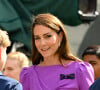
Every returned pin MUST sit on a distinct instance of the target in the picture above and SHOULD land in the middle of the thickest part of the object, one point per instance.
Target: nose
(43, 41)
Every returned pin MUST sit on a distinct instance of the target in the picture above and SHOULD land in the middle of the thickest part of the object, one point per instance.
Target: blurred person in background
(92, 55)
(14, 64)
(6, 83)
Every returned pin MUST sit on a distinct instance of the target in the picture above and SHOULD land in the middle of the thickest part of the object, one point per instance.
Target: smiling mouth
(44, 49)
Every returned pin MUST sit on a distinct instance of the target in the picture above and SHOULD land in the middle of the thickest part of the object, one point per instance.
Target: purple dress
(74, 76)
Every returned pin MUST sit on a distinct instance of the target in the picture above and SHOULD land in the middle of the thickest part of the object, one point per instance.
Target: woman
(54, 66)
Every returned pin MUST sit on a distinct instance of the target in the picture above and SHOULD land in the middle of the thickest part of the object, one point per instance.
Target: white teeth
(44, 49)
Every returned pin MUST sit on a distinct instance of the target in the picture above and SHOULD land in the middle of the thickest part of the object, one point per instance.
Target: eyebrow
(44, 34)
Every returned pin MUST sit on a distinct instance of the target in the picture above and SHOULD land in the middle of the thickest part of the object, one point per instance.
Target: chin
(45, 56)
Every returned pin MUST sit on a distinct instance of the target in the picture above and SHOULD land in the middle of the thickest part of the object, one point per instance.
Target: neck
(52, 60)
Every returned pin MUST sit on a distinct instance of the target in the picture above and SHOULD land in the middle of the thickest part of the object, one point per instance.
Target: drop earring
(59, 44)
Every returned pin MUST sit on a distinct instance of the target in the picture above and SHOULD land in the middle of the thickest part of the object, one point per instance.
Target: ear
(60, 36)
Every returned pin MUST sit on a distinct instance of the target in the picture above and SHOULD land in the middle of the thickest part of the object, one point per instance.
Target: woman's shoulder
(84, 73)
(76, 64)
(27, 71)
(80, 65)
(83, 65)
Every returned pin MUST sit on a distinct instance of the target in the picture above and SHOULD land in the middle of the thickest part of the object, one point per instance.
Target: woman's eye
(48, 36)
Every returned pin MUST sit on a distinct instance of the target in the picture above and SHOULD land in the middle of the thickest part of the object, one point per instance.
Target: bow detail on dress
(68, 76)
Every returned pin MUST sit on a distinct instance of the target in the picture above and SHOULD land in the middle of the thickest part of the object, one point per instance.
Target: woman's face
(46, 40)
